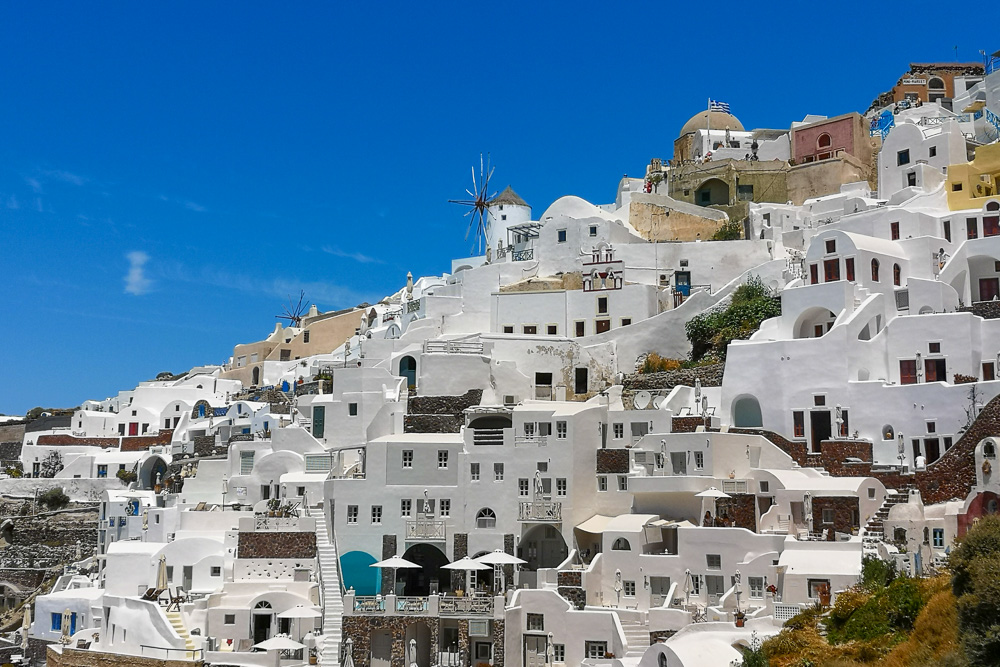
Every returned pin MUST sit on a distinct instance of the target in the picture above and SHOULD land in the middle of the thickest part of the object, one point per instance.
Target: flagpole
(709, 115)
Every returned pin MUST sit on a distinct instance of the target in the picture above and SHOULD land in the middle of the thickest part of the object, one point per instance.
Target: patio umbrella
(714, 494)
(395, 563)
(25, 626)
(467, 564)
(299, 612)
(498, 559)
(687, 587)
(348, 653)
(279, 644)
(161, 574)
(66, 619)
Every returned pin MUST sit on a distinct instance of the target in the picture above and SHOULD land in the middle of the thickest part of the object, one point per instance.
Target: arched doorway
(418, 581)
(356, 573)
(263, 617)
(152, 472)
(746, 413)
(542, 546)
(712, 192)
(408, 370)
(418, 641)
(255, 374)
(484, 578)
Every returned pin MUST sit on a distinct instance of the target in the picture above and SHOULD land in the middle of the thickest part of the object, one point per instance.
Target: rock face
(439, 414)
(710, 375)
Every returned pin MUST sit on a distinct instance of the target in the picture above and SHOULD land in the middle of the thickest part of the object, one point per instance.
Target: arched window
(823, 141)
(989, 451)
(888, 433)
(661, 660)
(621, 544)
(896, 275)
(875, 270)
(263, 604)
(993, 206)
(486, 518)
(935, 89)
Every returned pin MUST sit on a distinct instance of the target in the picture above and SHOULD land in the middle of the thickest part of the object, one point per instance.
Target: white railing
(540, 510)
(369, 604)
(425, 529)
(264, 522)
(411, 605)
(784, 612)
(472, 606)
(453, 347)
(734, 486)
(449, 659)
(531, 441)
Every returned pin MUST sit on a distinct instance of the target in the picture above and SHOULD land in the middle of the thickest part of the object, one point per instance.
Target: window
(831, 270)
(580, 328)
(831, 246)
(57, 622)
(619, 431)
(407, 458)
(405, 507)
(216, 571)
(497, 472)
(972, 228)
(596, 650)
(714, 561)
(602, 483)
(819, 400)
(989, 371)
(815, 585)
(849, 268)
(305, 336)
(561, 236)
(956, 187)
(442, 458)
(946, 228)
(829, 515)
(897, 275)
(894, 231)
(508, 328)
(902, 157)
(229, 619)
(932, 151)
(871, 493)
(602, 305)
(536, 623)
(622, 482)
(352, 514)
(756, 587)
(552, 330)
(581, 380)
(744, 192)
(522, 487)
(991, 225)
(561, 486)
(626, 321)
(376, 514)
(530, 329)
(628, 588)
(798, 424)
(907, 371)
(486, 518)
(875, 270)
(911, 179)
(593, 230)
(813, 274)
(352, 409)
(939, 538)
(285, 355)
(932, 427)
(559, 650)
(446, 507)
(621, 544)
(561, 430)
(934, 348)
(765, 486)
(699, 460)
(102, 471)
(474, 471)
(246, 462)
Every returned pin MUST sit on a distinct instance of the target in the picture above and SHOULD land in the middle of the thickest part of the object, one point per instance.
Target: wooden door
(534, 650)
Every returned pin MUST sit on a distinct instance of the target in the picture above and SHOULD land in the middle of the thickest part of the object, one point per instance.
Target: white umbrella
(467, 564)
(498, 559)
(395, 563)
(66, 619)
(687, 587)
(161, 574)
(279, 644)
(714, 494)
(348, 652)
(299, 612)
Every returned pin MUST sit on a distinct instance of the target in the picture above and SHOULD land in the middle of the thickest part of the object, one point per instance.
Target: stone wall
(204, 445)
(686, 424)
(988, 310)
(570, 578)
(444, 405)
(10, 452)
(49, 540)
(432, 423)
(388, 551)
(460, 549)
(85, 658)
(741, 510)
(611, 461)
(845, 509)
(26, 579)
(277, 544)
(498, 642)
(710, 376)
(575, 595)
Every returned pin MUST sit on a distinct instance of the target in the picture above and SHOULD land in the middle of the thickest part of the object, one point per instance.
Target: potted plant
(740, 617)
(772, 590)
(273, 505)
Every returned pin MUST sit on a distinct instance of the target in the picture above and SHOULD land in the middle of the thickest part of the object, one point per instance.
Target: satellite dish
(642, 400)
(657, 402)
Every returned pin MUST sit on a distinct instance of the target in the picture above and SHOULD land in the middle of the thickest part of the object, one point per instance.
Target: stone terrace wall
(277, 544)
(439, 414)
(612, 461)
(83, 658)
(845, 509)
(741, 508)
(710, 375)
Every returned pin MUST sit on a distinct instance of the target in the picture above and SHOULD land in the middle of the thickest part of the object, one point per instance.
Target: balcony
(453, 347)
(531, 440)
(426, 529)
(540, 510)
(523, 255)
(477, 606)
(487, 436)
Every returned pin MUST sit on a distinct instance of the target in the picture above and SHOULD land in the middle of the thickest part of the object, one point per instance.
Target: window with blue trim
(57, 622)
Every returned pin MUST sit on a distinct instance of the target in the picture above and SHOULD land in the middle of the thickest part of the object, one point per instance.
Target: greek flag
(716, 105)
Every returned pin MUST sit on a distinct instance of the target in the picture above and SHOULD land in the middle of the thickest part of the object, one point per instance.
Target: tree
(975, 581)
(731, 230)
(54, 499)
(50, 465)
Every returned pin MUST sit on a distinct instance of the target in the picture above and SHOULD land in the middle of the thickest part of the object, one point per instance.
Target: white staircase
(637, 638)
(177, 623)
(333, 600)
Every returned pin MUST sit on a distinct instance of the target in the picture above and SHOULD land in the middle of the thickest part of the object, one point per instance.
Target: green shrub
(54, 499)
(711, 332)
(730, 230)
(876, 573)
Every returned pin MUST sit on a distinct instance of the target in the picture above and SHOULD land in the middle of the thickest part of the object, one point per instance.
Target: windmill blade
(471, 194)
(474, 185)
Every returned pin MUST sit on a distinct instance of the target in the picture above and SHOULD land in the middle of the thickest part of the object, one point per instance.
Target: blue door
(682, 282)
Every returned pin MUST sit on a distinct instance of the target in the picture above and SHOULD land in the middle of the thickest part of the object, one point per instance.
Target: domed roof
(720, 121)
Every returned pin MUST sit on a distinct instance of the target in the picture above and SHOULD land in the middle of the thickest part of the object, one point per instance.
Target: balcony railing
(453, 347)
(530, 440)
(369, 604)
(734, 486)
(426, 529)
(523, 255)
(265, 522)
(540, 510)
(411, 605)
(487, 436)
(472, 606)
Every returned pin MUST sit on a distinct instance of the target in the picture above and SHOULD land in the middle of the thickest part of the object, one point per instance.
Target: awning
(819, 561)
(595, 525)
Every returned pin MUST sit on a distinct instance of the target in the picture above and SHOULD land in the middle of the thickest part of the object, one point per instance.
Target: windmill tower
(504, 210)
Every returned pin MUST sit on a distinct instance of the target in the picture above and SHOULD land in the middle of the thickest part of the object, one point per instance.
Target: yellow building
(971, 183)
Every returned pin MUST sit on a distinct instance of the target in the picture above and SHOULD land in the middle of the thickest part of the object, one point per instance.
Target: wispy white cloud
(35, 184)
(136, 281)
(194, 206)
(356, 256)
(12, 203)
(65, 176)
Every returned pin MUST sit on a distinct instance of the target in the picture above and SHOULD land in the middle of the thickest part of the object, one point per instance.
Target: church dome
(720, 121)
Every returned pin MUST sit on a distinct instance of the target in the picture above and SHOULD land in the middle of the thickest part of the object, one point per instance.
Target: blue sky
(170, 172)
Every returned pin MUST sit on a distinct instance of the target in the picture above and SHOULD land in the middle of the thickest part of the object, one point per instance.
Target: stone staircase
(874, 530)
(637, 638)
(177, 623)
(333, 599)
